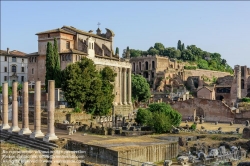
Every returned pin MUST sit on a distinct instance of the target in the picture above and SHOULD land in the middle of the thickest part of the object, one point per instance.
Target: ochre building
(73, 44)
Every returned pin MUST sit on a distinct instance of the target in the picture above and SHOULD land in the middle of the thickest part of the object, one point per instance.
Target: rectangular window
(22, 69)
(22, 79)
(5, 69)
(13, 68)
(5, 58)
(5, 78)
(13, 59)
(67, 45)
(32, 72)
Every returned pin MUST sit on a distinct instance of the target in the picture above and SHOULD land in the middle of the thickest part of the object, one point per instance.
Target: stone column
(37, 113)
(129, 87)
(51, 109)
(14, 127)
(124, 86)
(120, 82)
(5, 115)
(25, 114)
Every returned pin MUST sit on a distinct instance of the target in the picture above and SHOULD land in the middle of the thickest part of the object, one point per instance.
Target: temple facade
(73, 44)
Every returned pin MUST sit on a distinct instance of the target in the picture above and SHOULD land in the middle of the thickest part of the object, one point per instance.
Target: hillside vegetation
(194, 56)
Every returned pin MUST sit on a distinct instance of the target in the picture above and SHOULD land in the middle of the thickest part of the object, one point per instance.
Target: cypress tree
(57, 67)
(117, 51)
(179, 45)
(49, 65)
(183, 47)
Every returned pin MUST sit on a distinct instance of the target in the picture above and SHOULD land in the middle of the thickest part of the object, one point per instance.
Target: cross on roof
(98, 24)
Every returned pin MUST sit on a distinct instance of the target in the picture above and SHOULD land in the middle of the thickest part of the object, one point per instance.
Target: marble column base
(50, 137)
(125, 103)
(5, 126)
(37, 134)
(24, 131)
(14, 129)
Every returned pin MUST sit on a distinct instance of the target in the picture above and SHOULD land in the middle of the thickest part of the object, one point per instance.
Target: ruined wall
(212, 110)
(148, 153)
(207, 73)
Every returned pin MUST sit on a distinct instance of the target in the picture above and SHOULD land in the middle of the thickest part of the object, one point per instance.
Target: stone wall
(208, 73)
(212, 110)
(150, 152)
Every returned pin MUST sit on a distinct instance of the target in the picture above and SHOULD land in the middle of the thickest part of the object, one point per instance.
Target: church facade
(73, 44)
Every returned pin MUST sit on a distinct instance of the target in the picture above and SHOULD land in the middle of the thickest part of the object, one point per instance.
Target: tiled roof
(33, 54)
(207, 87)
(84, 33)
(73, 51)
(54, 31)
(13, 53)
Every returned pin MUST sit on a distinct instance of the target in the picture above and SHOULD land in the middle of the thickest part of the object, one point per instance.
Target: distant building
(13, 66)
(206, 92)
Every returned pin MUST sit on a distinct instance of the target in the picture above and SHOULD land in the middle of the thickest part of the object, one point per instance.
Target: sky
(222, 27)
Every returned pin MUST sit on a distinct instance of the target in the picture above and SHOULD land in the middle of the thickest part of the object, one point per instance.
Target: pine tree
(57, 68)
(49, 65)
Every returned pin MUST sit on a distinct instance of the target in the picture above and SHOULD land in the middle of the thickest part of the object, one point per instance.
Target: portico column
(37, 114)
(14, 126)
(124, 86)
(51, 108)
(25, 113)
(5, 122)
(120, 81)
(129, 86)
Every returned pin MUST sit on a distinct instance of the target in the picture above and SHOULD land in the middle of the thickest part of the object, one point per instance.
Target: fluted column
(5, 122)
(120, 82)
(129, 86)
(37, 114)
(14, 127)
(124, 86)
(25, 113)
(51, 109)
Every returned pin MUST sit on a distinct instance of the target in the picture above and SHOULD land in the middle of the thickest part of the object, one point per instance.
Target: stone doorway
(200, 112)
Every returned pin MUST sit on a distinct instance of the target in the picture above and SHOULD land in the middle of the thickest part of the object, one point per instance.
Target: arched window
(92, 46)
(146, 65)
(89, 45)
(153, 64)
(242, 84)
(133, 66)
(139, 65)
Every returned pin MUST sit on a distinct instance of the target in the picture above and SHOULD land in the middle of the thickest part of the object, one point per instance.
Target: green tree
(143, 116)
(140, 88)
(179, 46)
(160, 47)
(182, 47)
(202, 64)
(84, 85)
(160, 122)
(172, 52)
(57, 68)
(135, 53)
(128, 52)
(117, 51)
(153, 51)
(175, 117)
(50, 65)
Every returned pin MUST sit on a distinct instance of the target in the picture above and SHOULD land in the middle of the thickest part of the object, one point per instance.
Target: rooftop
(12, 53)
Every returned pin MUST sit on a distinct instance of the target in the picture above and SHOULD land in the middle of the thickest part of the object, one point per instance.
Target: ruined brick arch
(248, 84)
(200, 112)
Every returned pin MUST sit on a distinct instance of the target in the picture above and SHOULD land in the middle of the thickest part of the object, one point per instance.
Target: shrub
(193, 127)
(246, 99)
(143, 116)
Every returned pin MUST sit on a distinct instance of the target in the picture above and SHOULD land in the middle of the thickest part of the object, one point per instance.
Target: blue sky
(222, 27)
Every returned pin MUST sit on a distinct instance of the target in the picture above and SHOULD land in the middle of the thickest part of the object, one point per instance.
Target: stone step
(26, 141)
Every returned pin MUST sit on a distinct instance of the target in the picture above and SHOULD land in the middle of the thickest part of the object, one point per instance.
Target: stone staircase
(26, 141)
